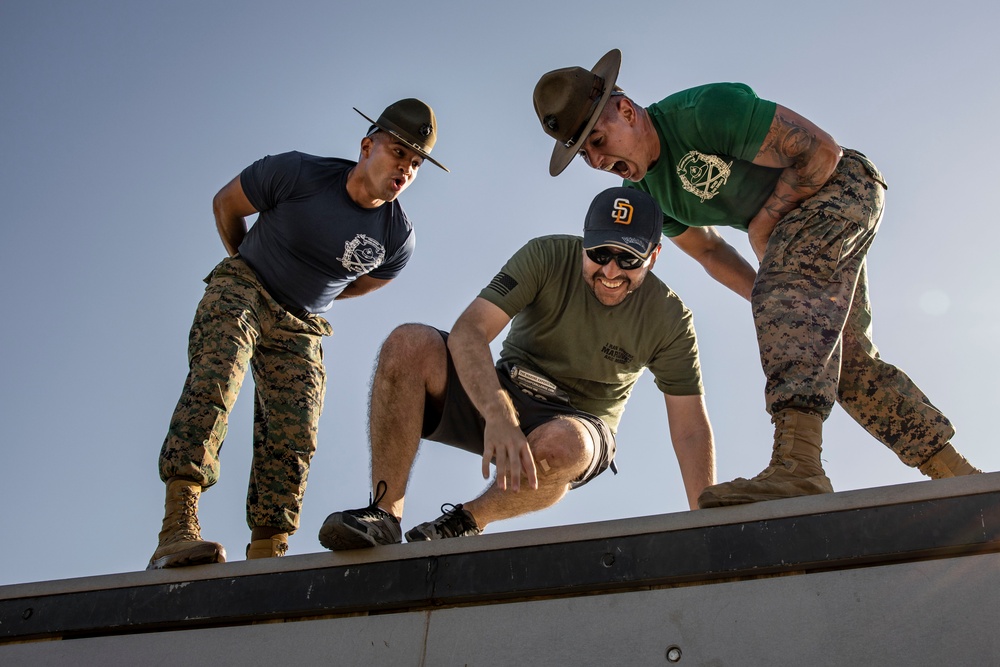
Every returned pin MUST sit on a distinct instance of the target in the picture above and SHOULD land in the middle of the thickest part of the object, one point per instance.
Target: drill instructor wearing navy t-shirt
(327, 229)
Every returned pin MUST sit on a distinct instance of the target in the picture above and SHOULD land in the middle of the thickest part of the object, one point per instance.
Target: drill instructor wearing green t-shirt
(586, 319)
(719, 155)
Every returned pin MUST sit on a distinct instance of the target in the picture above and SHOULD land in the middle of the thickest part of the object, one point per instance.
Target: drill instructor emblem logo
(703, 175)
(362, 254)
(621, 211)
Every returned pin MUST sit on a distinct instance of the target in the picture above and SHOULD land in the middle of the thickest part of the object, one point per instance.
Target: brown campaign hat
(413, 123)
(569, 101)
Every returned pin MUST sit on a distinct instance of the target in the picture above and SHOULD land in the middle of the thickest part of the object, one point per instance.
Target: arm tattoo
(790, 141)
(781, 200)
(795, 142)
(807, 156)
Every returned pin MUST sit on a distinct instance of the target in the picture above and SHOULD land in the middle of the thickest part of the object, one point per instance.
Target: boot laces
(184, 516)
(782, 445)
(188, 519)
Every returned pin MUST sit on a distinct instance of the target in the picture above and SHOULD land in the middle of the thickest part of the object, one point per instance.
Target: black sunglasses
(626, 261)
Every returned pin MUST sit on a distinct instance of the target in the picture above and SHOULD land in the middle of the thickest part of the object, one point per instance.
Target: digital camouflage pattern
(813, 317)
(238, 325)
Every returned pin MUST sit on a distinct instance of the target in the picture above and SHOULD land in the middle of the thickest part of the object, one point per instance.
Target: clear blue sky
(120, 120)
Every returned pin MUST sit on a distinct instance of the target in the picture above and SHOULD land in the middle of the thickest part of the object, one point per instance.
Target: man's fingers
(528, 464)
(525, 466)
(508, 477)
(513, 460)
(501, 463)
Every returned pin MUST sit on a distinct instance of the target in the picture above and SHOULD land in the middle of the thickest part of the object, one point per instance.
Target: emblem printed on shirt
(703, 175)
(362, 254)
(616, 354)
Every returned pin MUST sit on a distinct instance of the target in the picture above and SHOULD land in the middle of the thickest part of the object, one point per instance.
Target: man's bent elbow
(825, 161)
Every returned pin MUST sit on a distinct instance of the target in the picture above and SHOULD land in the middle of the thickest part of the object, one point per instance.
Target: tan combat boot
(795, 468)
(947, 462)
(180, 540)
(268, 547)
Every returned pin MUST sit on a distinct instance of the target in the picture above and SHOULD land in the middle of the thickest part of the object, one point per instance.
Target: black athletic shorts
(459, 423)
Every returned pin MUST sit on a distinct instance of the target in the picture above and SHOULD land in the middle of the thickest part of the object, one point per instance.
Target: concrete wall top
(872, 527)
(660, 523)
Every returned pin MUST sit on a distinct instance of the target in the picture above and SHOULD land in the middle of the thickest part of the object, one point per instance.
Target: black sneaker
(455, 522)
(361, 528)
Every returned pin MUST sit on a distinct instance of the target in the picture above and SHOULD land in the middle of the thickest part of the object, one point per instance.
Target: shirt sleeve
(270, 180)
(393, 265)
(672, 227)
(732, 120)
(676, 366)
(519, 280)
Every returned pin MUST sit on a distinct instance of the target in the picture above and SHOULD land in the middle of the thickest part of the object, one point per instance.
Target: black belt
(300, 313)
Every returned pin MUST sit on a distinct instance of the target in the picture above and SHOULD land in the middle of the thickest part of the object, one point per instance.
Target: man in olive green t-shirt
(719, 155)
(586, 319)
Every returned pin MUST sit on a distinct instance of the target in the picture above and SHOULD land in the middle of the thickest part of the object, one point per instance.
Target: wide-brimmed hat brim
(607, 68)
(406, 142)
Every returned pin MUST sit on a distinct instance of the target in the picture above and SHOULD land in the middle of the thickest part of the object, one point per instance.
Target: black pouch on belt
(535, 384)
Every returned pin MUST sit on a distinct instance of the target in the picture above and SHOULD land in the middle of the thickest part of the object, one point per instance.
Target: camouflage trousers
(814, 318)
(238, 325)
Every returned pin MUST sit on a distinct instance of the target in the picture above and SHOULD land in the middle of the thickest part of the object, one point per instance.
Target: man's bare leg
(412, 369)
(562, 449)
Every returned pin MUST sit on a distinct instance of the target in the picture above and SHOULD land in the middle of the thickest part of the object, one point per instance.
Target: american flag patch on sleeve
(502, 284)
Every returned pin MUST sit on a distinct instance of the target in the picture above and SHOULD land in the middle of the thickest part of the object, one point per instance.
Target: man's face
(609, 282)
(389, 166)
(614, 144)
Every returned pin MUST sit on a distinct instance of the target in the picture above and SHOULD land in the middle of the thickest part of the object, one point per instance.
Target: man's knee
(410, 343)
(562, 448)
(414, 351)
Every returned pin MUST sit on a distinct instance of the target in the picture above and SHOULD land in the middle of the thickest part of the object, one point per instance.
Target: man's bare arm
(503, 440)
(809, 157)
(694, 444)
(720, 260)
(231, 207)
(362, 285)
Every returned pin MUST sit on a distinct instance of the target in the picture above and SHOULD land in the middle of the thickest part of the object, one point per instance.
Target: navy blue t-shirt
(311, 239)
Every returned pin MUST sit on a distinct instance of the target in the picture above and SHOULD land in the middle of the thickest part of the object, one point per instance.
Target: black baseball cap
(623, 218)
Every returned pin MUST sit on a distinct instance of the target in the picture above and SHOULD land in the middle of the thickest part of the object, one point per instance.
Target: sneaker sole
(335, 535)
(415, 536)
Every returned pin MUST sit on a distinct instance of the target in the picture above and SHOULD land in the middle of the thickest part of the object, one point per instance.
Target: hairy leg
(562, 449)
(412, 369)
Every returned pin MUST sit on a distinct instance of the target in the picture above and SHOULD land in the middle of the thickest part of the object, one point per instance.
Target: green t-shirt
(708, 137)
(595, 353)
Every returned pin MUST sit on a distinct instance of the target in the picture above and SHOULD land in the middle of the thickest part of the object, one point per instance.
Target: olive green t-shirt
(594, 352)
(704, 176)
